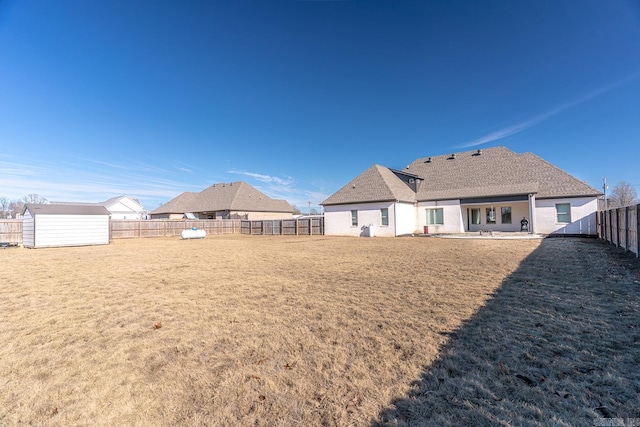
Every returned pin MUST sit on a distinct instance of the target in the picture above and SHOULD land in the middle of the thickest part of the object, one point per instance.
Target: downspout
(532, 201)
(395, 221)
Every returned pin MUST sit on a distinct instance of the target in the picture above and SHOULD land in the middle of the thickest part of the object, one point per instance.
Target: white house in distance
(491, 189)
(120, 207)
(53, 225)
(124, 207)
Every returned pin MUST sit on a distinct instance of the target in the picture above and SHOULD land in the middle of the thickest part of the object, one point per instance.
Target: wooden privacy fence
(124, 228)
(11, 230)
(284, 227)
(621, 227)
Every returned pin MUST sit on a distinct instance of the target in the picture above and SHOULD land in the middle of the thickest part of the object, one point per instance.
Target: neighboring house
(124, 207)
(490, 189)
(54, 225)
(120, 207)
(236, 200)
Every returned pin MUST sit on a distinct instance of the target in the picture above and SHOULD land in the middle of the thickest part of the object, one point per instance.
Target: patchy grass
(267, 331)
(558, 344)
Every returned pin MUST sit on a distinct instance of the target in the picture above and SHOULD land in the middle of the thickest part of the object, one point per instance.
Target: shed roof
(64, 209)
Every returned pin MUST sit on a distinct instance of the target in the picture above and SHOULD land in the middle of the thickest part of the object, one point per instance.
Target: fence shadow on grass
(558, 344)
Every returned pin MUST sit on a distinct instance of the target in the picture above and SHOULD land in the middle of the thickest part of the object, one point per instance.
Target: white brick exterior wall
(583, 216)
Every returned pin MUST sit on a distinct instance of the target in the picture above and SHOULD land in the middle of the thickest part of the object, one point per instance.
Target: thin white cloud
(265, 178)
(84, 181)
(522, 126)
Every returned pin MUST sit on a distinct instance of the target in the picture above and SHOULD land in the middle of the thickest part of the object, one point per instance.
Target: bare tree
(623, 194)
(16, 207)
(34, 198)
(4, 206)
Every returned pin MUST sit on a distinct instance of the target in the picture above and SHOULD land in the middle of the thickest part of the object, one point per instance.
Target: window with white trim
(506, 214)
(435, 216)
(563, 213)
(384, 216)
(491, 215)
(354, 218)
(475, 216)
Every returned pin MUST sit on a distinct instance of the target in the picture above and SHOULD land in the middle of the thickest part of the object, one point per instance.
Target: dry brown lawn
(305, 331)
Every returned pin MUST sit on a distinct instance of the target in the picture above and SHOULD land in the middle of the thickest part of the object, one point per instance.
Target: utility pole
(604, 187)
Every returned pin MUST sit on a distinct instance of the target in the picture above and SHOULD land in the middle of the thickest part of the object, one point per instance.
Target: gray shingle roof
(376, 184)
(479, 173)
(65, 209)
(235, 196)
(179, 204)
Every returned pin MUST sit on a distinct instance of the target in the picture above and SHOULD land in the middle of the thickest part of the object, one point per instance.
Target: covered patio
(506, 214)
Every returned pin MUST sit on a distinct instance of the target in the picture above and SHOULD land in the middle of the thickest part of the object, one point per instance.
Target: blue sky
(151, 98)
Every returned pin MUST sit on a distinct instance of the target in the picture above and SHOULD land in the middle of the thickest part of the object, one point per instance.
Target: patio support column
(532, 210)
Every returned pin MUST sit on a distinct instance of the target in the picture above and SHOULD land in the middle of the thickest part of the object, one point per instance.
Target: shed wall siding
(583, 216)
(71, 230)
(27, 230)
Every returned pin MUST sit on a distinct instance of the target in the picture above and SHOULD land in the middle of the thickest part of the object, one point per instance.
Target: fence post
(638, 230)
(610, 225)
(618, 227)
(626, 228)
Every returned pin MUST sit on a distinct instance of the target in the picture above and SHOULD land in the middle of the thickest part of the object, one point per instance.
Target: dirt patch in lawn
(240, 330)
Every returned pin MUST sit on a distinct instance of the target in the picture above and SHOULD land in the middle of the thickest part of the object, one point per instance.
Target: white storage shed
(53, 225)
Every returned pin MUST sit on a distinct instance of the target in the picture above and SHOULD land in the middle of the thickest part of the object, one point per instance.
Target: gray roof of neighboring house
(479, 173)
(64, 209)
(235, 196)
(179, 204)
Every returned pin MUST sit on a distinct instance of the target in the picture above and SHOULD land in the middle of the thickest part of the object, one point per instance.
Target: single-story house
(53, 225)
(491, 189)
(236, 200)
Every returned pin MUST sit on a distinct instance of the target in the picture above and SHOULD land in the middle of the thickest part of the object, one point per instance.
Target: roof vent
(478, 152)
(428, 160)
(453, 156)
